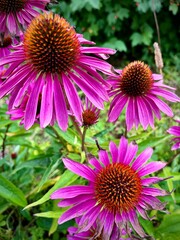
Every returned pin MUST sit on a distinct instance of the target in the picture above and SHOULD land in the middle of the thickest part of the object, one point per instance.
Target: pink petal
(80, 169)
(60, 105)
(142, 158)
(46, 110)
(150, 168)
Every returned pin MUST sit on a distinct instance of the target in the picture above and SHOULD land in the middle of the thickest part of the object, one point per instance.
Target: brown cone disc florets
(6, 41)
(51, 44)
(118, 188)
(89, 117)
(136, 79)
(10, 6)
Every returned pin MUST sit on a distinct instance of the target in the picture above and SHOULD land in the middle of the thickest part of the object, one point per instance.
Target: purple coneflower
(15, 15)
(117, 190)
(138, 88)
(90, 114)
(6, 44)
(93, 233)
(50, 59)
(175, 130)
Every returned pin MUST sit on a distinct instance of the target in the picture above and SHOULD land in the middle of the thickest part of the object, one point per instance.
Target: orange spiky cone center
(118, 188)
(136, 79)
(10, 6)
(51, 44)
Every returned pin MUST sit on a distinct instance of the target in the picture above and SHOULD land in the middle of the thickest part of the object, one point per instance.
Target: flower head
(90, 114)
(175, 130)
(138, 88)
(93, 233)
(50, 59)
(15, 15)
(118, 189)
(6, 44)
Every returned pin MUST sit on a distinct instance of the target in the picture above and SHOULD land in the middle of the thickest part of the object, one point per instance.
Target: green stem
(78, 129)
(83, 148)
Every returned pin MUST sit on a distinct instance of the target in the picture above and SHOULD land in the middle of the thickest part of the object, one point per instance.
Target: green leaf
(77, 5)
(169, 226)
(4, 123)
(152, 142)
(147, 225)
(66, 179)
(173, 8)
(69, 136)
(53, 227)
(123, 13)
(51, 214)
(53, 165)
(40, 161)
(136, 39)
(167, 173)
(11, 193)
(94, 3)
(116, 44)
(147, 34)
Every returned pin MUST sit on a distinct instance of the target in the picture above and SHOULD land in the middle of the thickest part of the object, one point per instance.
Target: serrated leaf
(136, 39)
(123, 13)
(94, 3)
(116, 44)
(11, 193)
(77, 5)
(173, 8)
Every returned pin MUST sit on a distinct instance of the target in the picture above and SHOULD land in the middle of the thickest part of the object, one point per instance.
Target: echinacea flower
(51, 59)
(175, 130)
(90, 114)
(15, 15)
(118, 189)
(6, 44)
(93, 233)
(139, 90)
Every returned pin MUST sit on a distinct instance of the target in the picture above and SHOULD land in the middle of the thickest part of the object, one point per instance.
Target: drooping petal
(32, 104)
(60, 105)
(46, 110)
(76, 211)
(73, 98)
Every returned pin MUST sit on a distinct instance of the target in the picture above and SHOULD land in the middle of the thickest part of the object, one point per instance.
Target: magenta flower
(51, 59)
(175, 130)
(94, 233)
(139, 89)
(6, 44)
(118, 189)
(90, 114)
(17, 14)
